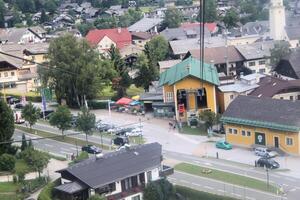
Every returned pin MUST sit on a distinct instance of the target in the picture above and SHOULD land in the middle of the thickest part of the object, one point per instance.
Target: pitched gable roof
(264, 112)
(117, 165)
(294, 59)
(270, 86)
(120, 36)
(189, 67)
(217, 55)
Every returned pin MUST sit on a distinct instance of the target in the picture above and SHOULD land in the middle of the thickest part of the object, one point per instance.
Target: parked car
(265, 152)
(19, 106)
(105, 127)
(13, 100)
(121, 140)
(74, 121)
(268, 163)
(134, 132)
(222, 144)
(91, 149)
(47, 114)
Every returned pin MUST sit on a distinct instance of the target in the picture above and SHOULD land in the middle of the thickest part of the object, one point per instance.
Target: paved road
(48, 145)
(220, 188)
(291, 185)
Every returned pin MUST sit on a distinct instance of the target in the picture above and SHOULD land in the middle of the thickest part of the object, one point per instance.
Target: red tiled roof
(210, 26)
(120, 36)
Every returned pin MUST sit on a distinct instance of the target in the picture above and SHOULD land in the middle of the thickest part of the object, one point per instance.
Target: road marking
(208, 187)
(197, 184)
(293, 190)
(183, 181)
(73, 148)
(289, 179)
(62, 148)
(63, 152)
(207, 163)
(250, 198)
(48, 145)
(221, 190)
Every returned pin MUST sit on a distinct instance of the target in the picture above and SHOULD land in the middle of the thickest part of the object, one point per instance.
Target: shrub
(46, 193)
(21, 176)
(15, 179)
(29, 97)
(82, 156)
(97, 104)
(7, 162)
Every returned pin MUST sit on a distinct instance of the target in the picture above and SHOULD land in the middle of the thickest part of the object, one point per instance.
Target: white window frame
(291, 139)
(169, 96)
(252, 62)
(262, 62)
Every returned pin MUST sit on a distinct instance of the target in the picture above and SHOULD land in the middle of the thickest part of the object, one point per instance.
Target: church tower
(277, 20)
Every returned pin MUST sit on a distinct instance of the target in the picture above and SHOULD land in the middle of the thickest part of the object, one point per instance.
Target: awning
(124, 101)
(135, 103)
(137, 97)
(71, 188)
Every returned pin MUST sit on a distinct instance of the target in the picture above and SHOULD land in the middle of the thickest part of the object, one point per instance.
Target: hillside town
(149, 99)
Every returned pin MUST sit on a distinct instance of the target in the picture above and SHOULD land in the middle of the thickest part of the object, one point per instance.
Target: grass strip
(194, 131)
(66, 139)
(225, 177)
(192, 194)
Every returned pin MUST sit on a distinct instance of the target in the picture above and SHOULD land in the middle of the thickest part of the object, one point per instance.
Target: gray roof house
(146, 25)
(289, 66)
(183, 33)
(256, 50)
(117, 175)
(22, 35)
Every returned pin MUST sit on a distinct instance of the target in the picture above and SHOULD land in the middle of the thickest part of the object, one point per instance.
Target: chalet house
(219, 57)
(22, 35)
(104, 38)
(19, 76)
(117, 175)
(277, 88)
(257, 56)
(289, 66)
(261, 121)
(150, 25)
(190, 89)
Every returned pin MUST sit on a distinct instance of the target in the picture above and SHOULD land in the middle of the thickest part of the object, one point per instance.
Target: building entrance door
(276, 142)
(260, 138)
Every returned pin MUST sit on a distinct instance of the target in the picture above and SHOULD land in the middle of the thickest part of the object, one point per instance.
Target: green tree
(152, 192)
(24, 142)
(2, 12)
(26, 6)
(30, 145)
(121, 81)
(50, 6)
(210, 118)
(7, 162)
(280, 50)
(173, 18)
(157, 49)
(146, 72)
(130, 17)
(85, 28)
(96, 197)
(159, 190)
(106, 22)
(161, 3)
(31, 114)
(7, 126)
(86, 122)
(76, 71)
(231, 18)
(210, 11)
(183, 2)
(61, 119)
(36, 159)
(44, 17)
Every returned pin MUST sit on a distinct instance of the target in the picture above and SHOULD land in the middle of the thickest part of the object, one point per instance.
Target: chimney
(119, 29)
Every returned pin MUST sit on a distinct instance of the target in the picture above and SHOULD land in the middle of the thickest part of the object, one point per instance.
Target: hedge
(94, 104)
(32, 98)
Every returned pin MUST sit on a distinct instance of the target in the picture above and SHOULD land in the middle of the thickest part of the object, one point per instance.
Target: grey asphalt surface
(220, 188)
(291, 185)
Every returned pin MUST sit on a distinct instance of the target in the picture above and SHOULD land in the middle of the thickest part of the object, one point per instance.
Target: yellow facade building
(252, 121)
(190, 88)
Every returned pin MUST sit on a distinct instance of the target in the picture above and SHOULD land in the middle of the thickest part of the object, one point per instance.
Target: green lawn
(66, 139)
(7, 187)
(191, 194)
(194, 131)
(225, 177)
